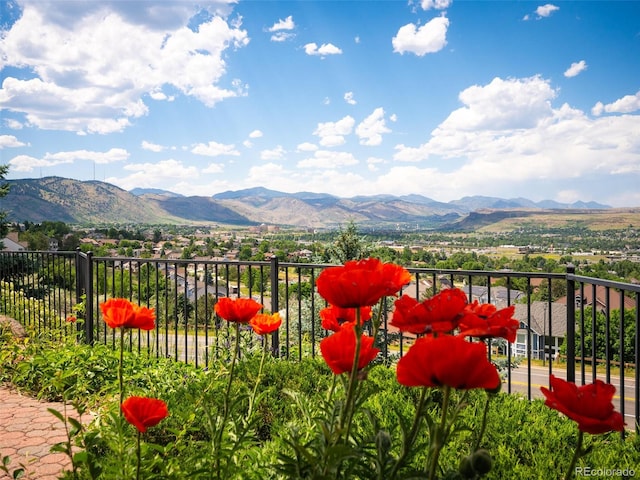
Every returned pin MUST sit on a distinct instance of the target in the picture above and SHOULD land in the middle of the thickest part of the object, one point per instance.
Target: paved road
(540, 378)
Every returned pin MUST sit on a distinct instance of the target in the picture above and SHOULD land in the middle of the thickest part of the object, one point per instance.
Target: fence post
(275, 340)
(84, 286)
(571, 323)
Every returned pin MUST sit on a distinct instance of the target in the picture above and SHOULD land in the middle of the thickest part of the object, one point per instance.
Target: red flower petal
(118, 312)
(484, 322)
(334, 317)
(145, 318)
(263, 323)
(240, 310)
(143, 412)
(361, 283)
(439, 313)
(590, 406)
(447, 360)
(338, 350)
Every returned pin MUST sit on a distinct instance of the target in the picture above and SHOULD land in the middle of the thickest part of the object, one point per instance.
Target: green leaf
(57, 414)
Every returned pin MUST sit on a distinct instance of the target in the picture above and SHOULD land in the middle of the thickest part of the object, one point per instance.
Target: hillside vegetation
(94, 202)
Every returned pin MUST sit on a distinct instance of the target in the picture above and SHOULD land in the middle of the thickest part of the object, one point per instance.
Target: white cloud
(14, 124)
(307, 147)
(575, 69)
(436, 4)
(371, 129)
(256, 134)
(25, 163)
(626, 104)
(110, 156)
(543, 11)
(276, 153)
(286, 24)
(9, 141)
(373, 162)
(81, 86)
(493, 144)
(327, 159)
(152, 147)
(511, 103)
(348, 97)
(324, 49)
(546, 10)
(214, 168)
(282, 36)
(149, 175)
(429, 38)
(332, 133)
(214, 149)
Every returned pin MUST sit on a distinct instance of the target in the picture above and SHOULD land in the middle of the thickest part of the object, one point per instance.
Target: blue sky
(439, 98)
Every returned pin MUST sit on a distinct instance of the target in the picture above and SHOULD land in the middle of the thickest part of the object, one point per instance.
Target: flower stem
(576, 455)
(347, 412)
(484, 421)
(226, 407)
(255, 388)
(438, 439)
(138, 457)
(410, 439)
(120, 368)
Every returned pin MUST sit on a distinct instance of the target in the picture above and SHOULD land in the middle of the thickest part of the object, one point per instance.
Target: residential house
(547, 324)
(600, 300)
(499, 296)
(11, 243)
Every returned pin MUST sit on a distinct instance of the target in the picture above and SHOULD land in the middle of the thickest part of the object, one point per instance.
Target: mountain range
(95, 202)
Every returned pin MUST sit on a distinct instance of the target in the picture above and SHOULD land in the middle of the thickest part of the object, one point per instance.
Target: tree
(348, 245)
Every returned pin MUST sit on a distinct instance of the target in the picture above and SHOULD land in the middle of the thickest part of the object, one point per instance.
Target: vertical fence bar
(622, 357)
(571, 324)
(637, 366)
(275, 307)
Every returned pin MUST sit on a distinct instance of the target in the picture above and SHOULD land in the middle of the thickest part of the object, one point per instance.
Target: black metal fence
(593, 331)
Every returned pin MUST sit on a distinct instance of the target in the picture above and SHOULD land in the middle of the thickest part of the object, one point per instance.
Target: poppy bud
(465, 468)
(481, 461)
(383, 442)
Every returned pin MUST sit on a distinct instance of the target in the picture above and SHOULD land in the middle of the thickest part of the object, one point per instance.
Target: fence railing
(592, 332)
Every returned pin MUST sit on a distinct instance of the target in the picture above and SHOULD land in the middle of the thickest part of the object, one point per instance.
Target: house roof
(601, 298)
(11, 246)
(540, 315)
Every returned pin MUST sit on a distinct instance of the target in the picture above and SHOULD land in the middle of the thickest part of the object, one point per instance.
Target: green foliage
(218, 429)
(605, 350)
(347, 246)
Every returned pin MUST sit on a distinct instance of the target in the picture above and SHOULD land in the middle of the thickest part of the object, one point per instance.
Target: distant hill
(154, 191)
(73, 201)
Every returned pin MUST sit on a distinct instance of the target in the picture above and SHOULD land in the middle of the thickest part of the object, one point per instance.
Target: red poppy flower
(334, 317)
(589, 406)
(263, 323)
(339, 349)
(485, 321)
(240, 310)
(143, 412)
(118, 313)
(361, 283)
(447, 360)
(71, 319)
(145, 318)
(439, 313)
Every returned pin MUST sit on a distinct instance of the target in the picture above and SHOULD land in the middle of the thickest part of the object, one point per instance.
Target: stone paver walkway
(27, 433)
